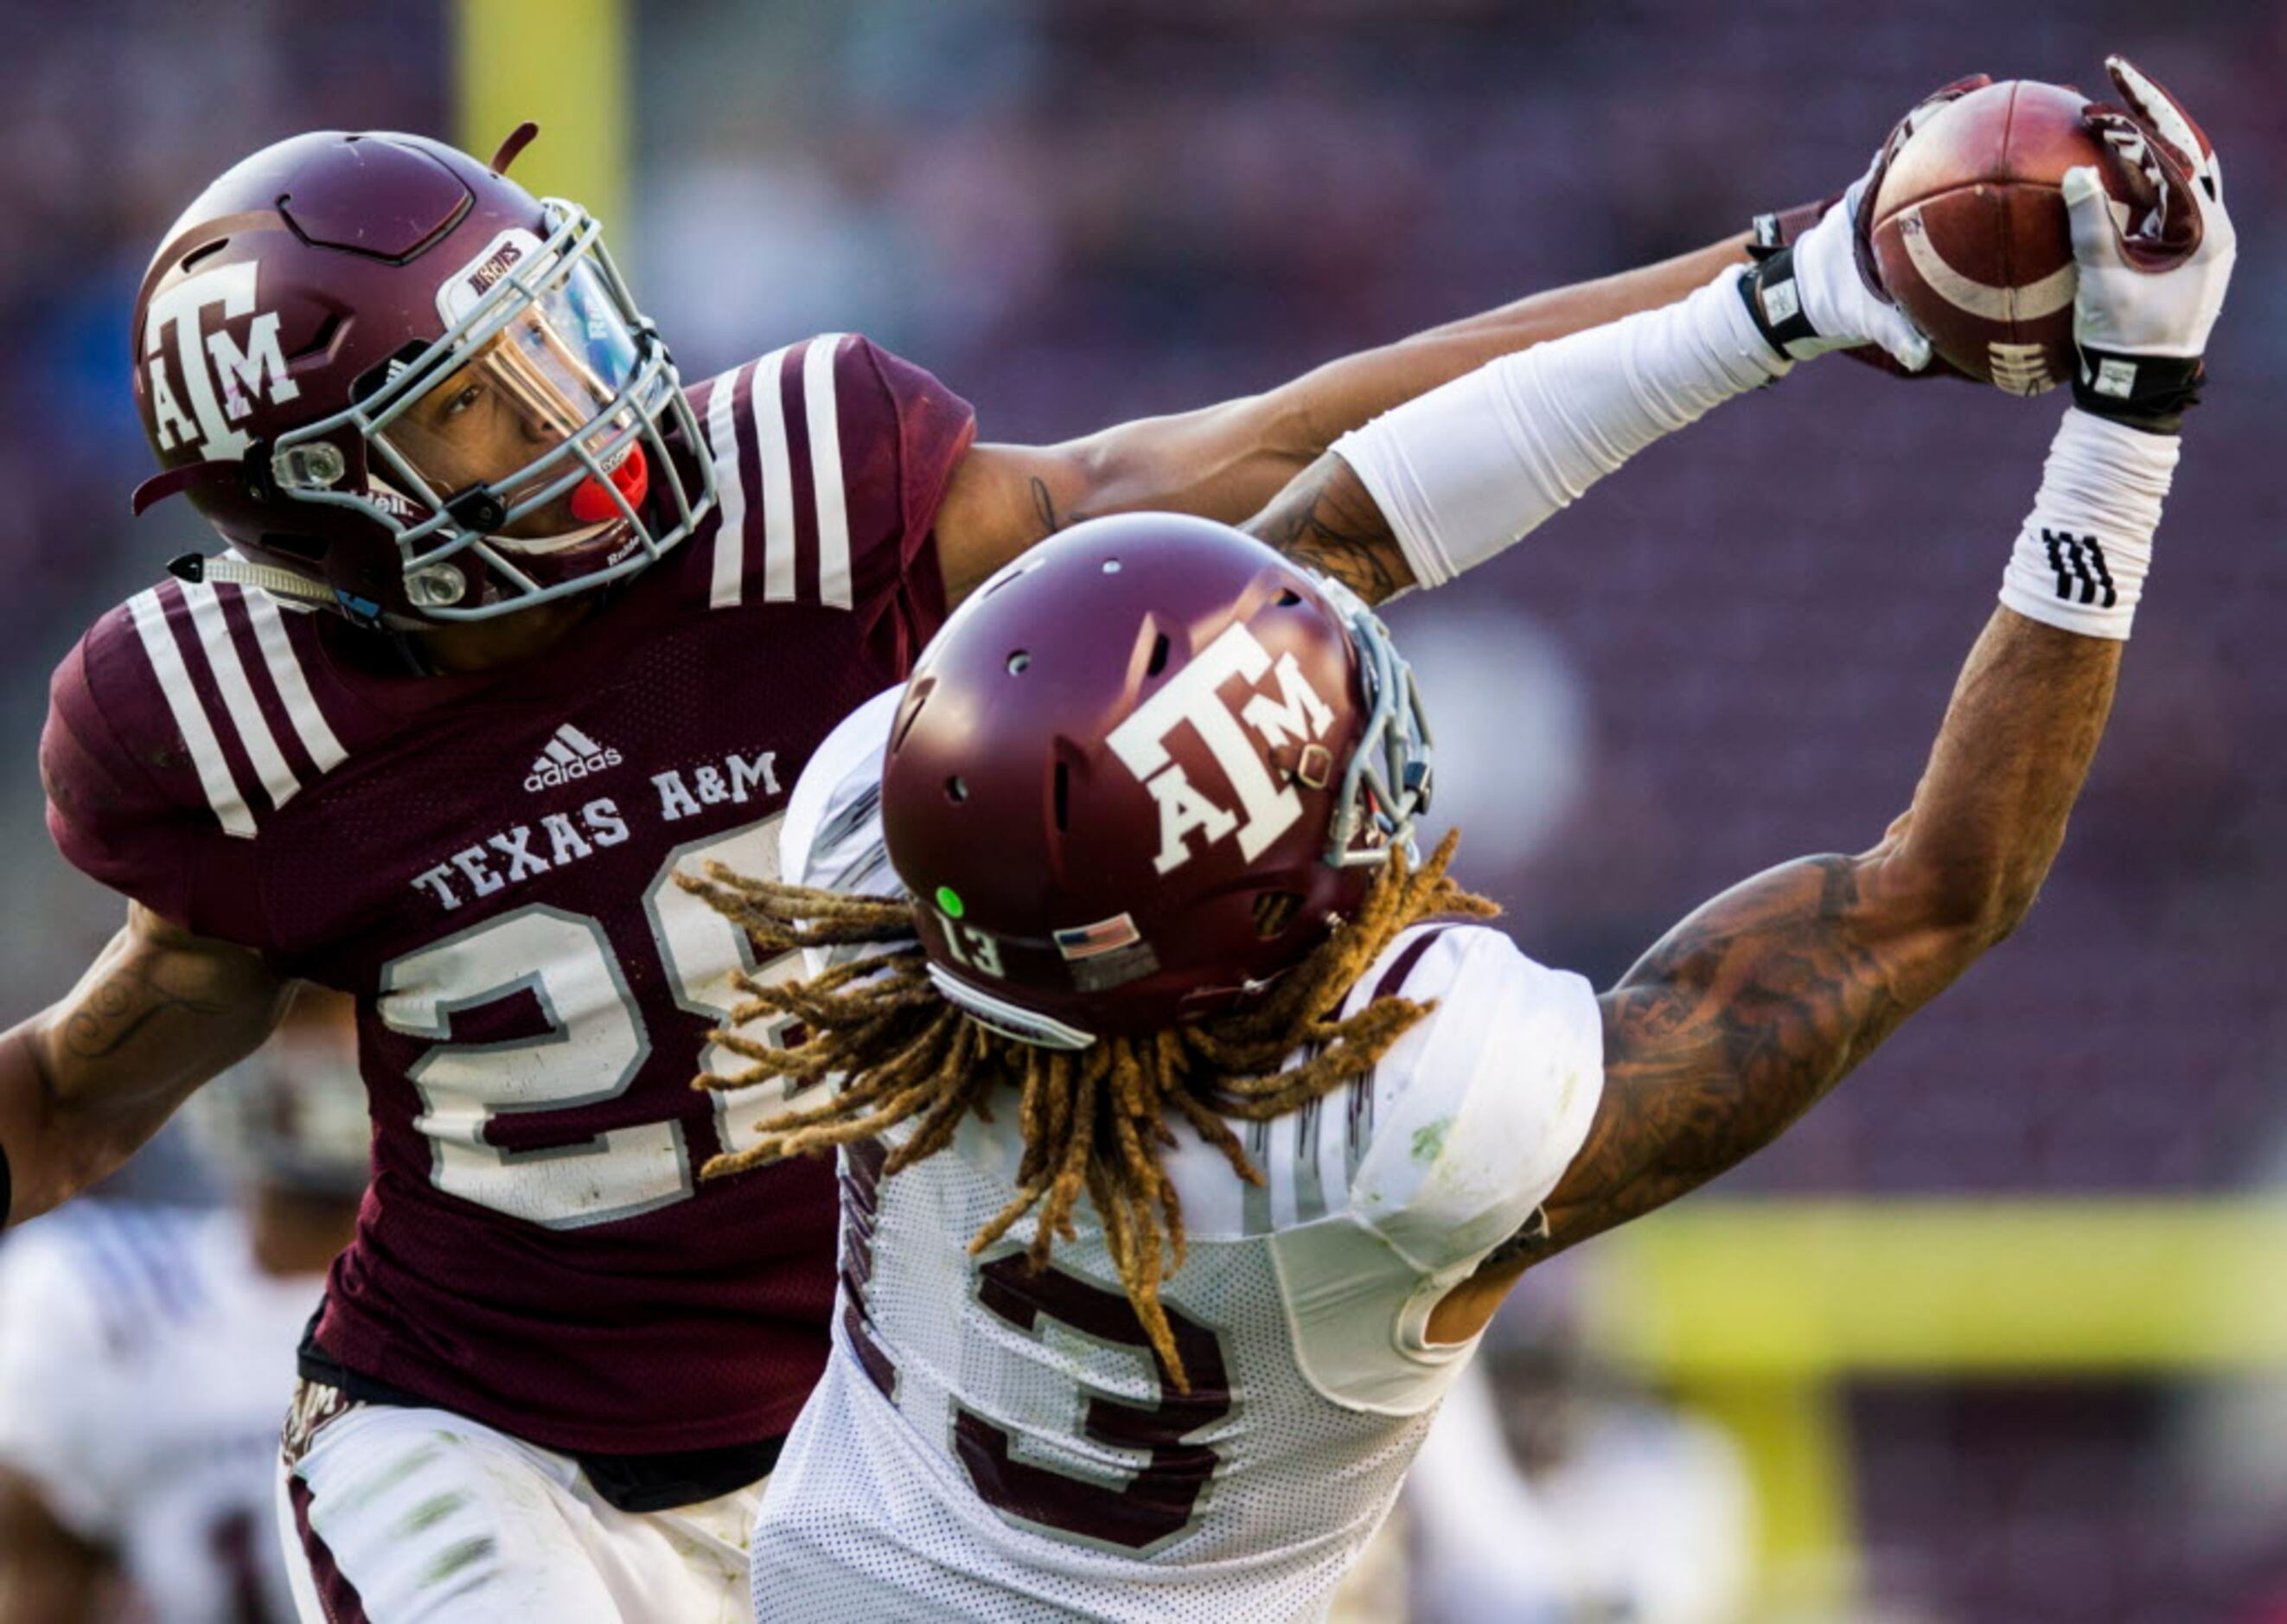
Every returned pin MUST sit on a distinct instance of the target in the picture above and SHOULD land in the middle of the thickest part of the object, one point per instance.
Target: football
(1971, 236)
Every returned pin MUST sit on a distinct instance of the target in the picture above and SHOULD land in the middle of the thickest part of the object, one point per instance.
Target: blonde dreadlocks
(1093, 1119)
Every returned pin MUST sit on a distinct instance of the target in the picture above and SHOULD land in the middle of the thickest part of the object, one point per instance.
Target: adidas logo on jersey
(571, 754)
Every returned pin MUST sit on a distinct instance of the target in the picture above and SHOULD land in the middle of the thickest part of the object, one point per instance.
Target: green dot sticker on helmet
(949, 902)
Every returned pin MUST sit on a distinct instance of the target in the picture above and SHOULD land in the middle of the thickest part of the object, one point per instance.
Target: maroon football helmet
(403, 387)
(1136, 776)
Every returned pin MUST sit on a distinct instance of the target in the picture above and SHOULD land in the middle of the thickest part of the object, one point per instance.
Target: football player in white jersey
(1191, 1131)
(147, 1355)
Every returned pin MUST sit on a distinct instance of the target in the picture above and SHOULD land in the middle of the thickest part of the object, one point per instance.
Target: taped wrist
(2144, 391)
(2080, 559)
(1472, 467)
(1774, 301)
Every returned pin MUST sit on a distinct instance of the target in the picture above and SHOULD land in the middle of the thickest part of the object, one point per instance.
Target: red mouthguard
(592, 504)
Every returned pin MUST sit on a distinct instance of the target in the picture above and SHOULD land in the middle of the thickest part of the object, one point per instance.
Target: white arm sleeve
(1474, 465)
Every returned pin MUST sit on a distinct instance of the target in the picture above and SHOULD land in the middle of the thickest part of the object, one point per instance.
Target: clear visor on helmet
(527, 412)
(524, 454)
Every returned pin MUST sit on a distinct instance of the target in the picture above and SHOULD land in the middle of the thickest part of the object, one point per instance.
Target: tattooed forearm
(1325, 519)
(1734, 1024)
(1746, 1014)
(121, 1006)
(1044, 508)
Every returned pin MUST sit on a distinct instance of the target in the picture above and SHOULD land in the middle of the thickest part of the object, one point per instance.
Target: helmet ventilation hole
(1274, 911)
(1158, 662)
(1112, 567)
(1064, 795)
(1289, 597)
(205, 250)
(955, 789)
(1017, 662)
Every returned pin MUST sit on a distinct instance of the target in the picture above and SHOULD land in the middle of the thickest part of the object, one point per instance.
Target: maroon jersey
(487, 862)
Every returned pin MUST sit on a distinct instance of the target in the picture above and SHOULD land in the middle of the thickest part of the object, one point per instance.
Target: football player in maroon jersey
(509, 626)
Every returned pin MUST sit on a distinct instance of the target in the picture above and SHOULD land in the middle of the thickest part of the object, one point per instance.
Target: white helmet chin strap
(297, 591)
(1010, 1020)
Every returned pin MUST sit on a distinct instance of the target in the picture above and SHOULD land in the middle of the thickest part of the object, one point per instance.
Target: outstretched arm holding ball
(1461, 473)
(1759, 1003)
(1464, 471)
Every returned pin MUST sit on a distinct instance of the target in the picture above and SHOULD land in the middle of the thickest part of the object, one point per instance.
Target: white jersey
(992, 1444)
(145, 1365)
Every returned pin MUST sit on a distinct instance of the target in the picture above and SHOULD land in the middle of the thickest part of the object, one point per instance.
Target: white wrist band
(2080, 559)
(1472, 467)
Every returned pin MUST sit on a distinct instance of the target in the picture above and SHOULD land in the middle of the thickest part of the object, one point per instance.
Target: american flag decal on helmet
(1104, 935)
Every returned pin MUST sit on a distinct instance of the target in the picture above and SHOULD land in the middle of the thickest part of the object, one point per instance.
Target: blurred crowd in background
(1733, 653)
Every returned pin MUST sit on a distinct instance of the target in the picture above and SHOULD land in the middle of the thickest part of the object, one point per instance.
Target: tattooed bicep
(159, 995)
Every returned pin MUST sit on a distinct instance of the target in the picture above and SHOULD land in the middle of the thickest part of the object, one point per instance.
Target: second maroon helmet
(403, 387)
(1139, 773)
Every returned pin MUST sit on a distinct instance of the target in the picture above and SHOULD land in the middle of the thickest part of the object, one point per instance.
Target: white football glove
(2150, 289)
(1843, 310)
(1815, 290)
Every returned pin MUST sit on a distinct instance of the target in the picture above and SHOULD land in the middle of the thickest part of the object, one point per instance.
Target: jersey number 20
(595, 1045)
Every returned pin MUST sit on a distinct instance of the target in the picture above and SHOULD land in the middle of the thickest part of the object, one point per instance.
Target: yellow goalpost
(564, 64)
(1755, 1311)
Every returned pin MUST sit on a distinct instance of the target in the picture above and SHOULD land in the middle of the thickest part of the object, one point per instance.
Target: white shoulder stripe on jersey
(1287, 1151)
(1254, 1200)
(730, 492)
(819, 406)
(190, 714)
(245, 711)
(777, 478)
(310, 726)
(1309, 1172)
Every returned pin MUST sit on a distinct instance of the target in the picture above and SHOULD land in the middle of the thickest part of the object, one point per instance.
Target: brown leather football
(1970, 232)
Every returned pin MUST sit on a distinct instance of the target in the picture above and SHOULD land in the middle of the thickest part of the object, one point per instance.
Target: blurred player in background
(510, 627)
(1188, 1152)
(147, 1354)
(1551, 1490)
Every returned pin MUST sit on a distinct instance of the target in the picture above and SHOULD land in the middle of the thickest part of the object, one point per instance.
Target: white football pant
(397, 1515)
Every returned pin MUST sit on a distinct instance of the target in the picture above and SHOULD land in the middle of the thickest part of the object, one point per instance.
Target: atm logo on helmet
(221, 379)
(1266, 808)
